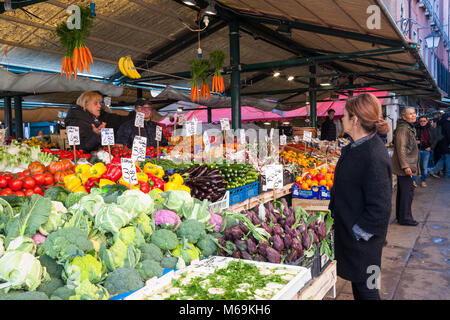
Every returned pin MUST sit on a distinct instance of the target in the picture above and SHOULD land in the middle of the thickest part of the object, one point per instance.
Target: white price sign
(283, 139)
(224, 124)
(307, 136)
(158, 133)
(271, 133)
(242, 135)
(129, 170)
(274, 176)
(297, 139)
(191, 128)
(73, 135)
(206, 141)
(107, 136)
(139, 149)
(107, 101)
(139, 120)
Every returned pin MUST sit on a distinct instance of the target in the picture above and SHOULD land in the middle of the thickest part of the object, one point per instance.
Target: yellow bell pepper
(141, 176)
(82, 169)
(184, 188)
(67, 178)
(158, 190)
(98, 170)
(72, 183)
(159, 172)
(123, 182)
(177, 179)
(105, 182)
(150, 168)
(169, 186)
(80, 189)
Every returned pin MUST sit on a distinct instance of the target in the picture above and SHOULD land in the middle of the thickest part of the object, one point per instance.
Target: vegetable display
(205, 183)
(236, 175)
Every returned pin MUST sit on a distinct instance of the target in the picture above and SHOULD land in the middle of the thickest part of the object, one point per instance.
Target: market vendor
(90, 117)
(128, 130)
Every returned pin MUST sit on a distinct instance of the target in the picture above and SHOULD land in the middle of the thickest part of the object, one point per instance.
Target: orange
(322, 183)
(330, 183)
(305, 186)
(315, 183)
(309, 182)
(323, 171)
(329, 176)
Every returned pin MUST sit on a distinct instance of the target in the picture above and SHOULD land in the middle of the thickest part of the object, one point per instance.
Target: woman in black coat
(361, 197)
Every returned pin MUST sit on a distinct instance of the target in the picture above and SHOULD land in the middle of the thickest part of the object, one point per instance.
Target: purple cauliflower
(216, 220)
(38, 238)
(166, 217)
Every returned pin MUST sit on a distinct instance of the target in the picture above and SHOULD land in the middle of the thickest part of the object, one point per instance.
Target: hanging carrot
(217, 59)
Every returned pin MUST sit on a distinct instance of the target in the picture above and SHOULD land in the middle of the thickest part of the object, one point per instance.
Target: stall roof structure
(289, 36)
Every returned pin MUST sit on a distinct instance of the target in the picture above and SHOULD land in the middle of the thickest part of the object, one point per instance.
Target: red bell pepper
(116, 160)
(144, 187)
(90, 183)
(157, 182)
(113, 172)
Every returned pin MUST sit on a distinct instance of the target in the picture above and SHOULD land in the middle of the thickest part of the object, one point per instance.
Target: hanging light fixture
(211, 8)
(276, 74)
(433, 40)
(179, 109)
(290, 78)
(284, 29)
(189, 3)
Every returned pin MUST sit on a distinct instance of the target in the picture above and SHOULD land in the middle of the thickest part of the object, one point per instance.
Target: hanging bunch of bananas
(127, 68)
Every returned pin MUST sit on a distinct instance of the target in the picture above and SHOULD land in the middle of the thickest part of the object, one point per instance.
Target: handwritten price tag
(73, 135)
(307, 136)
(158, 133)
(191, 128)
(107, 136)
(139, 120)
(182, 120)
(283, 139)
(224, 124)
(107, 101)
(129, 170)
(274, 176)
(139, 149)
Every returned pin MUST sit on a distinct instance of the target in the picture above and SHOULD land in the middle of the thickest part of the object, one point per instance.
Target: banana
(127, 67)
(122, 67)
(134, 72)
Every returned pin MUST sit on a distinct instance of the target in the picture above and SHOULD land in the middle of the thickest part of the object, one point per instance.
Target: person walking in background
(405, 165)
(443, 147)
(328, 129)
(426, 137)
(361, 197)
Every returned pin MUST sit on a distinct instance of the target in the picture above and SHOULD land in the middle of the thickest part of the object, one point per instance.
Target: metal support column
(350, 82)
(209, 110)
(235, 75)
(8, 116)
(139, 93)
(313, 95)
(18, 116)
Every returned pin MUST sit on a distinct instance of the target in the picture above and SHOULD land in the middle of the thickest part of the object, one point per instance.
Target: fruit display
(304, 161)
(68, 154)
(127, 68)
(277, 233)
(236, 175)
(205, 182)
(316, 177)
(36, 142)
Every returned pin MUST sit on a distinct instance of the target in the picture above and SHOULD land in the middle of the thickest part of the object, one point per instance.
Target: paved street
(416, 260)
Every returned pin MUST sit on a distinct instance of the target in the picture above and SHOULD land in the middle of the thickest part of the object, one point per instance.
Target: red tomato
(27, 173)
(20, 175)
(3, 182)
(48, 179)
(15, 184)
(19, 193)
(8, 177)
(6, 192)
(39, 178)
(29, 183)
(38, 190)
(29, 192)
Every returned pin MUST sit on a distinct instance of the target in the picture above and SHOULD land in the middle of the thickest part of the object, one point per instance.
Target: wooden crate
(287, 189)
(238, 207)
(298, 131)
(323, 285)
(311, 204)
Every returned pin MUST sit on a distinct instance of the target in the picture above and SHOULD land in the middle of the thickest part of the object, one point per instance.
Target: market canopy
(332, 35)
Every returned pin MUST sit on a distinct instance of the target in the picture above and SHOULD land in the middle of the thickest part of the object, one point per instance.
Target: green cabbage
(111, 218)
(119, 255)
(176, 199)
(23, 244)
(55, 219)
(21, 270)
(90, 204)
(136, 202)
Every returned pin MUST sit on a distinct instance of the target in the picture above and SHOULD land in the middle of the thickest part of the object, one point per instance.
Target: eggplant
(251, 246)
(290, 220)
(236, 254)
(276, 229)
(278, 243)
(221, 241)
(306, 240)
(322, 230)
(297, 246)
(236, 232)
(228, 234)
(315, 238)
(262, 248)
(243, 227)
(301, 227)
(213, 172)
(259, 258)
(266, 227)
(282, 222)
(273, 255)
(241, 245)
(245, 255)
(287, 241)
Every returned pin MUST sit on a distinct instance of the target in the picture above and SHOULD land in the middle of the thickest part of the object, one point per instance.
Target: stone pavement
(416, 260)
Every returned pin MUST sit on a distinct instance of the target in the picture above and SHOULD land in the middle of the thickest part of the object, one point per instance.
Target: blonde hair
(87, 96)
(367, 108)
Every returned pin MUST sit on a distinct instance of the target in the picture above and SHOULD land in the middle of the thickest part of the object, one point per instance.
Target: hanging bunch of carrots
(217, 59)
(78, 57)
(199, 71)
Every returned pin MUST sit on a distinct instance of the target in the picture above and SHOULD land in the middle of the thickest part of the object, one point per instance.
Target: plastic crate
(237, 195)
(222, 204)
(252, 189)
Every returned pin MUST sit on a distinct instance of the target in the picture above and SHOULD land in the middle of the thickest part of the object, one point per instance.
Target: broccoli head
(149, 269)
(10, 295)
(169, 262)
(63, 293)
(207, 246)
(150, 251)
(123, 280)
(50, 287)
(31, 295)
(53, 269)
(192, 230)
(164, 239)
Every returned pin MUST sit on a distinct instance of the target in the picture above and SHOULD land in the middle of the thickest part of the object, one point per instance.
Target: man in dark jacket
(443, 147)
(426, 136)
(328, 129)
(405, 162)
(128, 130)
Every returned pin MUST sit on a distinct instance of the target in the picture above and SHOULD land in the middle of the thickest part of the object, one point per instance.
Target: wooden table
(323, 285)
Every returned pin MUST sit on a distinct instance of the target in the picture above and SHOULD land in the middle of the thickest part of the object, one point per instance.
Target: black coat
(128, 131)
(328, 130)
(431, 134)
(89, 140)
(362, 194)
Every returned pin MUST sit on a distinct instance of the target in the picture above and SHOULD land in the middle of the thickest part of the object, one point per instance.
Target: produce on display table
(16, 156)
(68, 154)
(36, 142)
(316, 177)
(303, 160)
(236, 175)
